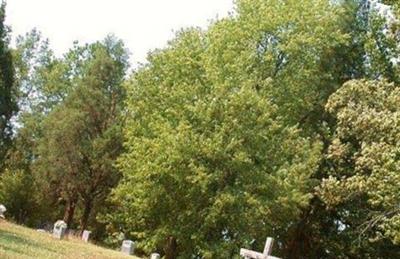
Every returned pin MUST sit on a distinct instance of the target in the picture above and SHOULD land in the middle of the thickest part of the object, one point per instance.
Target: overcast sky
(142, 24)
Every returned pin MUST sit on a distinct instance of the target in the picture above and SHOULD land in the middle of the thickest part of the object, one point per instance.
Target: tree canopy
(281, 119)
(8, 103)
(82, 134)
(364, 158)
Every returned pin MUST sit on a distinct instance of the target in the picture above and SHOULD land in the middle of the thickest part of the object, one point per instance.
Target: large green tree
(369, 52)
(199, 110)
(364, 172)
(36, 69)
(374, 50)
(227, 134)
(82, 134)
(209, 168)
(8, 104)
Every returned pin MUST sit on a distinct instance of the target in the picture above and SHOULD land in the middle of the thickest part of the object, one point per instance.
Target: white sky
(142, 24)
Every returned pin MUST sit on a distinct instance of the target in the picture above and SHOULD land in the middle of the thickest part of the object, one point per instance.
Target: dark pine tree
(8, 105)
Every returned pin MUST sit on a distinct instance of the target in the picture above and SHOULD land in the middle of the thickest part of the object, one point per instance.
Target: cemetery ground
(17, 242)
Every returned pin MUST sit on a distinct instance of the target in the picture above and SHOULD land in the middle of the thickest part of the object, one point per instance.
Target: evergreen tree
(8, 105)
(82, 135)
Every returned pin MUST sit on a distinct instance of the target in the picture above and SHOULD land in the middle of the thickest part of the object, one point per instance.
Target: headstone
(85, 235)
(41, 230)
(155, 256)
(248, 254)
(128, 247)
(2, 211)
(59, 230)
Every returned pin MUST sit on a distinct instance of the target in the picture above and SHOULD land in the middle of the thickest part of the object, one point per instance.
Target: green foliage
(17, 194)
(382, 51)
(228, 134)
(8, 105)
(394, 3)
(284, 43)
(369, 53)
(29, 204)
(364, 158)
(33, 59)
(214, 159)
(82, 135)
(292, 55)
(19, 189)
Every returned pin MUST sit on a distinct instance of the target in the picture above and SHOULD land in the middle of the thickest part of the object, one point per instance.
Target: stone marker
(60, 227)
(248, 254)
(155, 256)
(85, 235)
(2, 211)
(128, 247)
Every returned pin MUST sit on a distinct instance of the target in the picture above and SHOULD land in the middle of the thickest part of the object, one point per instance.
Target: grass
(17, 242)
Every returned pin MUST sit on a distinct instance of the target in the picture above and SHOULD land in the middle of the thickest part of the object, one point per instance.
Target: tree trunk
(170, 249)
(86, 214)
(305, 237)
(69, 212)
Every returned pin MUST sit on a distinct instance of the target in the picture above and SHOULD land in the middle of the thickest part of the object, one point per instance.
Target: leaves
(368, 125)
(82, 135)
(210, 159)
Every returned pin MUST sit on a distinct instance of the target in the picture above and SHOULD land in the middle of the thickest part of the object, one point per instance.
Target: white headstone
(128, 247)
(59, 230)
(155, 256)
(2, 211)
(86, 235)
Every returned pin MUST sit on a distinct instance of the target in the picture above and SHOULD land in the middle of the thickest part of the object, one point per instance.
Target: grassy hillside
(18, 242)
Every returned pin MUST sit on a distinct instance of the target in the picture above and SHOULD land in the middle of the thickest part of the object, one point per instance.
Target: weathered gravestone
(59, 230)
(86, 235)
(2, 211)
(248, 254)
(155, 256)
(128, 247)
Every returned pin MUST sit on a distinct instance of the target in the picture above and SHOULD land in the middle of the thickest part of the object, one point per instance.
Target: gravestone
(59, 230)
(248, 254)
(2, 211)
(128, 247)
(155, 256)
(85, 235)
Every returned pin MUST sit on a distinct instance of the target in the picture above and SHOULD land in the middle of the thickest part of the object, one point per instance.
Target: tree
(393, 3)
(22, 190)
(19, 189)
(35, 69)
(17, 194)
(369, 55)
(368, 52)
(364, 159)
(208, 168)
(196, 115)
(291, 52)
(82, 134)
(8, 105)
